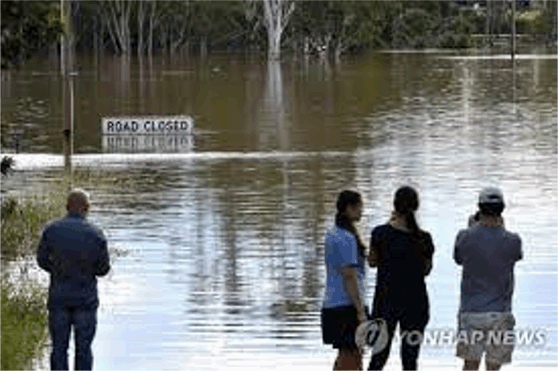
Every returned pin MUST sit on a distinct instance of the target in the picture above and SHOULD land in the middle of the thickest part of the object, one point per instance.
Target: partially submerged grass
(23, 220)
(23, 315)
(23, 325)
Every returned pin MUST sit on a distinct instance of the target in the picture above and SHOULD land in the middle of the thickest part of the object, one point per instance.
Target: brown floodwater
(221, 230)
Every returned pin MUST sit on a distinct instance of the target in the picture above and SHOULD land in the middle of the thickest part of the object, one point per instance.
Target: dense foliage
(27, 26)
(326, 28)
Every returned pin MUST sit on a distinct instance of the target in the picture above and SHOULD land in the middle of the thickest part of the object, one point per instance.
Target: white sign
(147, 125)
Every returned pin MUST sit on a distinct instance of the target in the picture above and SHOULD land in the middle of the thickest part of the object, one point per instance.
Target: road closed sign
(150, 134)
(147, 125)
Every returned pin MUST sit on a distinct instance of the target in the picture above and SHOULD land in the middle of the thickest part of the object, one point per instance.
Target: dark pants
(84, 321)
(412, 322)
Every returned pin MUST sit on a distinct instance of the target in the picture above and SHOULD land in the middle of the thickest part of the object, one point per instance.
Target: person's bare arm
(351, 284)
(373, 252)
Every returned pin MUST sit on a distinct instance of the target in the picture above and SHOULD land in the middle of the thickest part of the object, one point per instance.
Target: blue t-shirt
(488, 256)
(341, 251)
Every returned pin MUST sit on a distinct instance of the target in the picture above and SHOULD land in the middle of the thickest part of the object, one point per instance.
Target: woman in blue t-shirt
(343, 307)
(402, 252)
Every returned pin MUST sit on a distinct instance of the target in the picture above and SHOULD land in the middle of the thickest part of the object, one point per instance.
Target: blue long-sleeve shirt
(74, 252)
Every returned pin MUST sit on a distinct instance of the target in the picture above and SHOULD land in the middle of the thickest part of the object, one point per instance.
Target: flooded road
(222, 239)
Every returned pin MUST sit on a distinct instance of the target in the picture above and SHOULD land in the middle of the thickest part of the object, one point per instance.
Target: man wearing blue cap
(488, 253)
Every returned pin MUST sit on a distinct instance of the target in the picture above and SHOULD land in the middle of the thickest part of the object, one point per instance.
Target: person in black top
(402, 252)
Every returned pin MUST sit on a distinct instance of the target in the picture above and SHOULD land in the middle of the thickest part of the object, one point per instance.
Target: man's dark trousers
(84, 321)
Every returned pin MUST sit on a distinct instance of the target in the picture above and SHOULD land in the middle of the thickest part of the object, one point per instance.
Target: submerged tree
(117, 14)
(276, 15)
(332, 28)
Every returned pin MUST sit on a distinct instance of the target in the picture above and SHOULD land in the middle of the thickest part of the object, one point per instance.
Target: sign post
(67, 64)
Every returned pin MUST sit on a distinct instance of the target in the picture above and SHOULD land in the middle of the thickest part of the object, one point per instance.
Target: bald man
(74, 252)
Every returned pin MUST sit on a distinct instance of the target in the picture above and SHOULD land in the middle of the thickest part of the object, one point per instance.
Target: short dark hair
(491, 208)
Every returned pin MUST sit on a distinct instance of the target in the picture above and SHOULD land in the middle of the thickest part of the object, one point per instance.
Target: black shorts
(339, 325)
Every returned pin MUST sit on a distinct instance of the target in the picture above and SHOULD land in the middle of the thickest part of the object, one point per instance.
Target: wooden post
(62, 52)
(513, 30)
(67, 86)
(488, 31)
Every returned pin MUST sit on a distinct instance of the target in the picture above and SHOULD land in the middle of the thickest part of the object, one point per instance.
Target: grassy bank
(24, 315)
(23, 325)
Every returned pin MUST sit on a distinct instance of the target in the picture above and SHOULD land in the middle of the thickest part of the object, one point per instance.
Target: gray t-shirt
(488, 256)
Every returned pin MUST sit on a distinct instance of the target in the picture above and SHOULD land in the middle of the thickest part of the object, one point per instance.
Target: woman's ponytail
(406, 203)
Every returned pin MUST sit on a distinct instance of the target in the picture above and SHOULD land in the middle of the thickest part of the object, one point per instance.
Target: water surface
(223, 237)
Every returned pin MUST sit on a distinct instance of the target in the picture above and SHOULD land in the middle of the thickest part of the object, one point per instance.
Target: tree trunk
(109, 20)
(164, 39)
(276, 14)
(118, 14)
(324, 47)
(153, 5)
(338, 51)
(179, 36)
(141, 22)
(274, 45)
(95, 38)
(203, 47)
(251, 15)
(125, 23)
(306, 47)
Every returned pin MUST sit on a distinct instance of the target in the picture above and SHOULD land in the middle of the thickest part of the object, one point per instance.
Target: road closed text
(147, 126)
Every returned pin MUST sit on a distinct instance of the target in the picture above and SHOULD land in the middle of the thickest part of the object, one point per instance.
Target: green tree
(335, 27)
(27, 26)
(428, 24)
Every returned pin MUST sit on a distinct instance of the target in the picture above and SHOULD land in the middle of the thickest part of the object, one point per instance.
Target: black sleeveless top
(400, 277)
